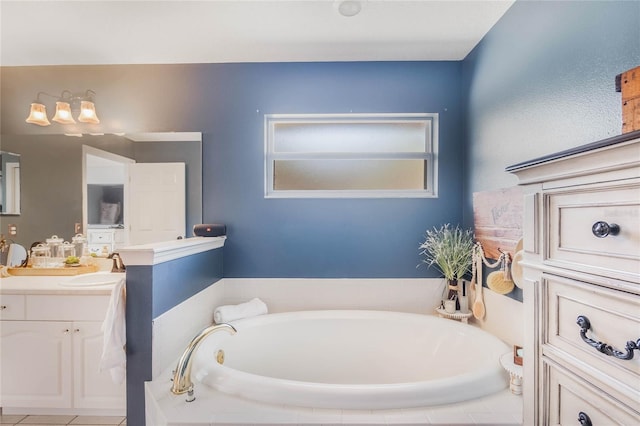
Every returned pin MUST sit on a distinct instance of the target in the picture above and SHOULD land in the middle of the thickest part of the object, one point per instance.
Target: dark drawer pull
(585, 325)
(584, 419)
(602, 229)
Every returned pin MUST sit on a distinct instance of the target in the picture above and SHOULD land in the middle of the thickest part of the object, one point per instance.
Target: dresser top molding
(621, 152)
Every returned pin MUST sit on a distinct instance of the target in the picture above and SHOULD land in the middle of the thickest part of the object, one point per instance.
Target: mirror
(9, 183)
(52, 187)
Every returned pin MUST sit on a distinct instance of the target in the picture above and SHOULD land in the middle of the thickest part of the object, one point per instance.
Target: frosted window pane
(351, 155)
(402, 136)
(349, 175)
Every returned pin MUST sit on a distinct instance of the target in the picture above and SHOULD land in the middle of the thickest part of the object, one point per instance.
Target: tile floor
(23, 420)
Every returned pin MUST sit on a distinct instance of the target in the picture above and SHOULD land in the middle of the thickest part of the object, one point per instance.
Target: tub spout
(182, 375)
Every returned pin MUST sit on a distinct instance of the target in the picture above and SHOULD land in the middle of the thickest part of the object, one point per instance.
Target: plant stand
(515, 373)
(457, 315)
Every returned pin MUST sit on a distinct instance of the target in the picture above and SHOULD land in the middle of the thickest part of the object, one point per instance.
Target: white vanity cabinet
(50, 347)
(582, 284)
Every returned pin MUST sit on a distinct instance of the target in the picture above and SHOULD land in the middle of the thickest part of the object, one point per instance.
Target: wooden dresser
(582, 284)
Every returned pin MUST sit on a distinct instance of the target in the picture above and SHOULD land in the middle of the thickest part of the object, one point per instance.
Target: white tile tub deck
(215, 408)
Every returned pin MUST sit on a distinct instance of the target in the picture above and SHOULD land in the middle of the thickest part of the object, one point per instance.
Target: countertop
(52, 285)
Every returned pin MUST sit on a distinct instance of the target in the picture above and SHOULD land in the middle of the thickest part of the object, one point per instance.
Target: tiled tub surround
(284, 295)
(213, 408)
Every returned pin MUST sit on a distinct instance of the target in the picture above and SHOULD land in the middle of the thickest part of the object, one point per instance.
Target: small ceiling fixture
(348, 8)
(66, 103)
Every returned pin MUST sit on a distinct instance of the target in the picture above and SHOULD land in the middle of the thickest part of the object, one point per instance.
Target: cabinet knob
(76, 330)
(66, 331)
(602, 229)
(3, 307)
(584, 419)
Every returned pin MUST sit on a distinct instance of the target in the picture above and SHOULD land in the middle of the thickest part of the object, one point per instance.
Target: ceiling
(152, 32)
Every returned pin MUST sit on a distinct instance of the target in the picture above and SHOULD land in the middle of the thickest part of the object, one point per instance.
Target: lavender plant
(449, 249)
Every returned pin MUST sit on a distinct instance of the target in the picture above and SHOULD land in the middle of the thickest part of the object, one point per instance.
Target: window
(351, 155)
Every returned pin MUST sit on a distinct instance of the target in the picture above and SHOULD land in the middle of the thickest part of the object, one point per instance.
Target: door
(93, 388)
(157, 201)
(45, 347)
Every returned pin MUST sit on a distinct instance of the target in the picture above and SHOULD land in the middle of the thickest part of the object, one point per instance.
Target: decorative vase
(452, 294)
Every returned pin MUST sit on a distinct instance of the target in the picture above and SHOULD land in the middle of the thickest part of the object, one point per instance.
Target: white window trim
(430, 156)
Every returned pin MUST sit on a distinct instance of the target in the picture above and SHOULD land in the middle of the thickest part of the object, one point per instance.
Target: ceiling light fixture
(66, 103)
(348, 8)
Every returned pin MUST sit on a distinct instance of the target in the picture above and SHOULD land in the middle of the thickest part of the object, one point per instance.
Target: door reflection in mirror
(51, 177)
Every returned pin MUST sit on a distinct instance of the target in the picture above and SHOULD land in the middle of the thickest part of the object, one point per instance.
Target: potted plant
(450, 250)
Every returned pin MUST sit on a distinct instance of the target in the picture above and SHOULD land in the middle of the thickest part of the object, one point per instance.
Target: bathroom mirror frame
(10, 190)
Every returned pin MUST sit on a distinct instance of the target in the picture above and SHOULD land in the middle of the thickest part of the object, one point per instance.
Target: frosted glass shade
(63, 113)
(38, 115)
(88, 113)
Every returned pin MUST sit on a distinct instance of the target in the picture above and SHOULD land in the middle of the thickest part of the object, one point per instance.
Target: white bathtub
(352, 360)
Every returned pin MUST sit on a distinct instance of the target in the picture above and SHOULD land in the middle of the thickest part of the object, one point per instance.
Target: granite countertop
(53, 285)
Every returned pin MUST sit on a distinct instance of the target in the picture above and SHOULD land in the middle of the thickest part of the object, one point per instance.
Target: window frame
(430, 154)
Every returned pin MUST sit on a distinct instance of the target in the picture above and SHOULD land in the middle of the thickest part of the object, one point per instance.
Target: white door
(93, 388)
(45, 347)
(157, 202)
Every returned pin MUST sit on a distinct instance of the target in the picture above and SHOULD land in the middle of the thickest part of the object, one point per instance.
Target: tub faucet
(182, 375)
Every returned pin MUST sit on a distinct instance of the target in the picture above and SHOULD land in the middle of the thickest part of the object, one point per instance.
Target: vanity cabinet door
(34, 361)
(93, 388)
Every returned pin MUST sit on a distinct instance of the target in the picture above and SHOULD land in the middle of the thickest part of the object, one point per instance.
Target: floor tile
(47, 420)
(11, 419)
(449, 418)
(97, 420)
(493, 418)
(38, 424)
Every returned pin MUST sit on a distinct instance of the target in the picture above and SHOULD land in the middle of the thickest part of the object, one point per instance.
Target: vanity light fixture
(38, 114)
(63, 113)
(67, 101)
(88, 113)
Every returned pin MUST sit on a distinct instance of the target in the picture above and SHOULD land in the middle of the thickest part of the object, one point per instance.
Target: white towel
(228, 313)
(114, 357)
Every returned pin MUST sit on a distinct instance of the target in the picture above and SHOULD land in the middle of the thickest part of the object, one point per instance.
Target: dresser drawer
(98, 237)
(571, 398)
(614, 319)
(572, 243)
(12, 307)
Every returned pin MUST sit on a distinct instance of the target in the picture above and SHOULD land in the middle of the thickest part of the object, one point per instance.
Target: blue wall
(324, 237)
(227, 102)
(542, 80)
